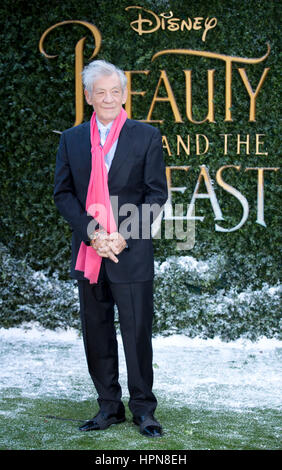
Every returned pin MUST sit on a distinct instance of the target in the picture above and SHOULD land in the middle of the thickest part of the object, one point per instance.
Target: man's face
(107, 98)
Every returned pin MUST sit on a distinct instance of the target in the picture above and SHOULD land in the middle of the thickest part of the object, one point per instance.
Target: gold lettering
(180, 142)
(253, 95)
(166, 145)
(140, 22)
(228, 72)
(204, 174)
(243, 201)
(258, 143)
(169, 98)
(173, 25)
(228, 92)
(198, 144)
(197, 22)
(168, 177)
(260, 193)
(225, 142)
(209, 24)
(210, 116)
(243, 142)
(186, 24)
(128, 104)
(79, 100)
(167, 21)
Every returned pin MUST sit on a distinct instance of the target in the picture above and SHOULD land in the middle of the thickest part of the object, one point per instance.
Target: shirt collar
(101, 126)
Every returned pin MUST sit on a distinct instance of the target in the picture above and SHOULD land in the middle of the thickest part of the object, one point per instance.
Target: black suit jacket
(136, 176)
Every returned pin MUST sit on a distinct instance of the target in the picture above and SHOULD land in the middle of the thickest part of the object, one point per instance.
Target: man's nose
(108, 97)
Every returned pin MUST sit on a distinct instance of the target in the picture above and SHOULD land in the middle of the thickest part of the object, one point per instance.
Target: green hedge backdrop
(38, 97)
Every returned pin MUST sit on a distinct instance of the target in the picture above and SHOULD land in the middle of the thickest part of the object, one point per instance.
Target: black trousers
(135, 307)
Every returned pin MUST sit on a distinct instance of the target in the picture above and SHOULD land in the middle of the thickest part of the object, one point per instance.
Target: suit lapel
(121, 154)
(122, 151)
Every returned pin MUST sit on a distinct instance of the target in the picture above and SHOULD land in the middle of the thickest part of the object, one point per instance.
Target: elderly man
(106, 169)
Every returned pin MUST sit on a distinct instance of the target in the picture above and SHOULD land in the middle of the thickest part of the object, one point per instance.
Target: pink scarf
(98, 203)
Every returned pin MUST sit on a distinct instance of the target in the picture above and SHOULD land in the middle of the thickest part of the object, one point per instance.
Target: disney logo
(168, 21)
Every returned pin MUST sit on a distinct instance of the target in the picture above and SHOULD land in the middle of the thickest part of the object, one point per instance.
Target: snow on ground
(39, 363)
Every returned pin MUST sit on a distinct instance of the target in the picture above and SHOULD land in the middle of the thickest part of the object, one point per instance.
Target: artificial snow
(193, 372)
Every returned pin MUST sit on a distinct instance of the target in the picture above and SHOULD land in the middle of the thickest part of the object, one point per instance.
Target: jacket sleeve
(64, 196)
(154, 172)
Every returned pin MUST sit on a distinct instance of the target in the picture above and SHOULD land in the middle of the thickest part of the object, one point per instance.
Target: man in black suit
(137, 185)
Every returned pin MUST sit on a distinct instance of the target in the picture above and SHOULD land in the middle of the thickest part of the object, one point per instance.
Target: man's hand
(116, 242)
(108, 246)
(101, 246)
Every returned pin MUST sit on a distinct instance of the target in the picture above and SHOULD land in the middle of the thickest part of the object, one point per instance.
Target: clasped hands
(108, 245)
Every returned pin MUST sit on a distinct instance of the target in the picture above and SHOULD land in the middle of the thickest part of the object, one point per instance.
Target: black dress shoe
(102, 420)
(149, 426)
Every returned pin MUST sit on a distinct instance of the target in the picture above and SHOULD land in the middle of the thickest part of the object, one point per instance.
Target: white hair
(98, 69)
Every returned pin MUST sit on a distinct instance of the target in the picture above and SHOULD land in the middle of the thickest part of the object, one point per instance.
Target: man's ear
(88, 97)
(124, 96)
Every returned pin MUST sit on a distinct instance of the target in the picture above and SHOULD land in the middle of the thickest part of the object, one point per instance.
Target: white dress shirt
(104, 131)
